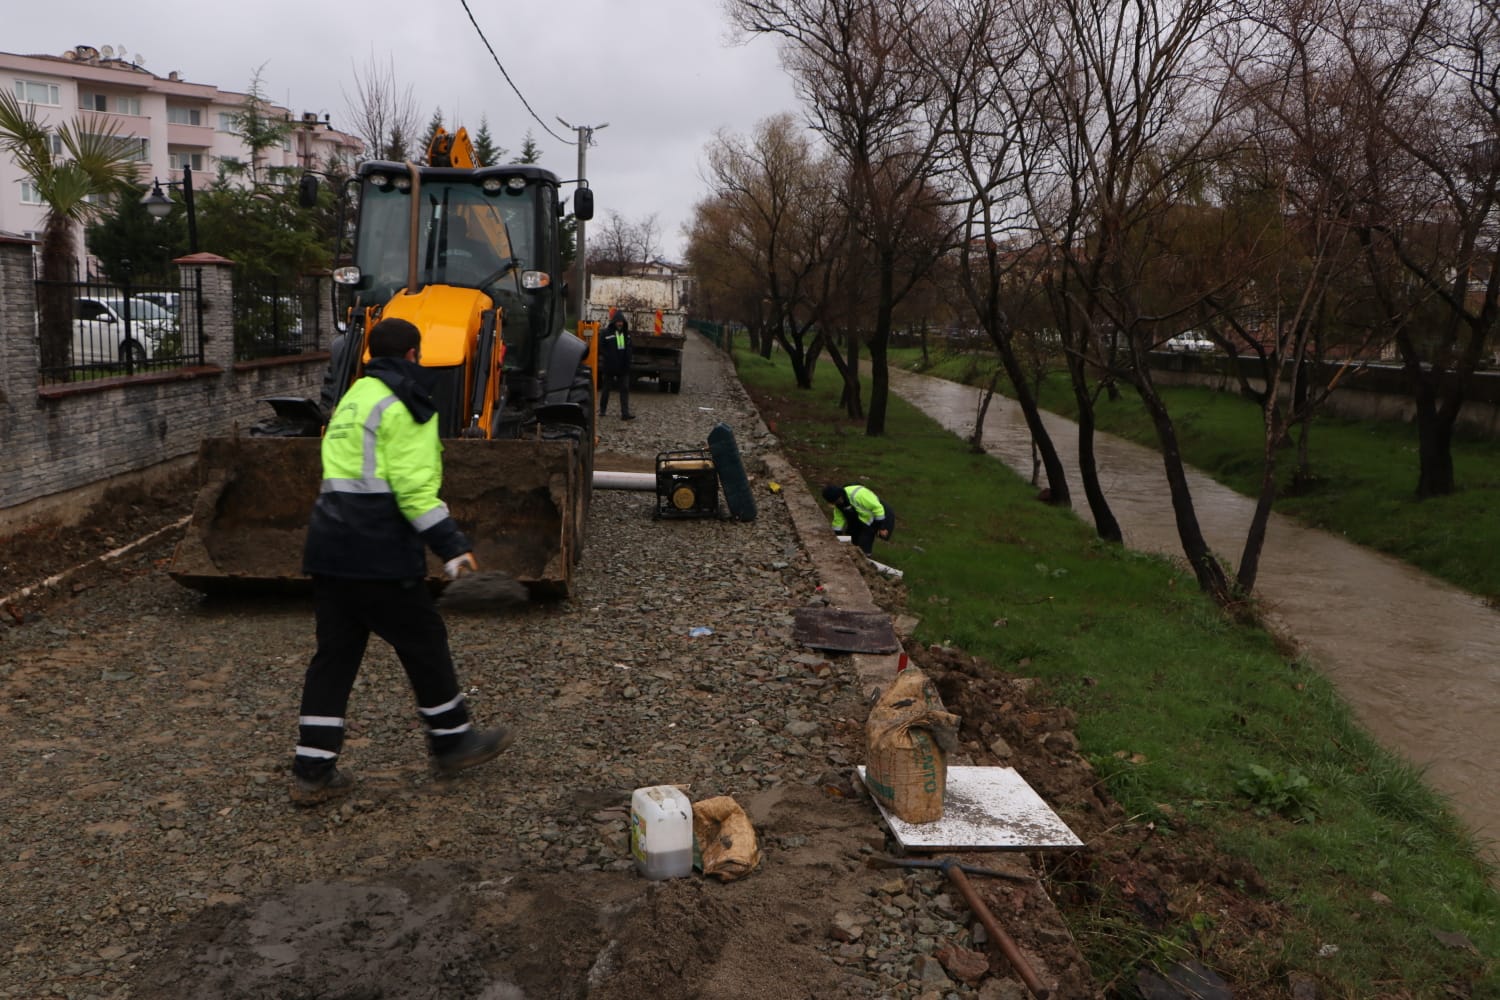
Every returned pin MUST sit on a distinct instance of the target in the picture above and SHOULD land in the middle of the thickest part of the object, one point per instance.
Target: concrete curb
(843, 585)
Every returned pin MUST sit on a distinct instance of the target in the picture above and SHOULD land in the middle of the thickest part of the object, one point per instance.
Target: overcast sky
(664, 74)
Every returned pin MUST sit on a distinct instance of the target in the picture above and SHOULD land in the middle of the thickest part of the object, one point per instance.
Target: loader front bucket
(516, 500)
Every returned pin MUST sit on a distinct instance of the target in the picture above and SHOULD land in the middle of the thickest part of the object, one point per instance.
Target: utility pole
(580, 259)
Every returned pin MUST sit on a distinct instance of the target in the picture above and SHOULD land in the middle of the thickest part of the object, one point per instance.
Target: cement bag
(725, 838)
(907, 738)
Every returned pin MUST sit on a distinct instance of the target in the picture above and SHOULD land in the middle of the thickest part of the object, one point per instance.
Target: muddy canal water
(1417, 659)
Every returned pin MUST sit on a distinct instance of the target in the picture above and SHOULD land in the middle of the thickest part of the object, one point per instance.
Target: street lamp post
(581, 293)
(160, 206)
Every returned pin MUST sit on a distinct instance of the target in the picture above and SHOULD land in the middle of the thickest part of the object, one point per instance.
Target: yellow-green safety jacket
(378, 508)
(862, 503)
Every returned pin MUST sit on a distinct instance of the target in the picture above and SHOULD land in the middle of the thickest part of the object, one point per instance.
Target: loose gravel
(149, 849)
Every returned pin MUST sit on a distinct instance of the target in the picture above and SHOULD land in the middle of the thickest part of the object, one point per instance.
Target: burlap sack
(725, 838)
(907, 737)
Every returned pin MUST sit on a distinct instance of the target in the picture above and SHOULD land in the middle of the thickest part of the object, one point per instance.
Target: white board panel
(985, 808)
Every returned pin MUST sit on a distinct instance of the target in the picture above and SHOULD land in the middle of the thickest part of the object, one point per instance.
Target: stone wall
(62, 446)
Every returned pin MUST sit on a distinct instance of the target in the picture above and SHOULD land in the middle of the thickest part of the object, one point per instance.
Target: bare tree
(620, 246)
(1431, 95)
(774, 196)
(977, 63)
(382, 111)
(853, 64)
(1127, 111)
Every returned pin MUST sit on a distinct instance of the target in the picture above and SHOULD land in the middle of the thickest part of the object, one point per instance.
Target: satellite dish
(107, 52)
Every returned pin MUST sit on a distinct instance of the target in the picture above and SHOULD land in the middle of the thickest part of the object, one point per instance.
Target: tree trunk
(1255, 537)
(880, 388)
(54, 306)
(880, 376)
(976, 439)
(1057, 476)
(1434, 447)
(1106, 526)
(851, 400)
(1206, 569)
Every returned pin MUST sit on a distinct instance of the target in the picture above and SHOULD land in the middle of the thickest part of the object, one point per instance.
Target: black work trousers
(622, 381)
(862, 534)
(402, 613)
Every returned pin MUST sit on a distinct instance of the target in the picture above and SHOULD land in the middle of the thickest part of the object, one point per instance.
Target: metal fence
(274, 318)
(90, 330)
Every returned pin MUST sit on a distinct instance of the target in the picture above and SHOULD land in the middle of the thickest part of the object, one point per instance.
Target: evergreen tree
(485, 149)
(530, 153)
(432, 128)
(395, 147)
(127, 240)
(258, 130)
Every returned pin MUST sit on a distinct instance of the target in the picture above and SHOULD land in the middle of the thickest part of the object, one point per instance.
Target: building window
(182, 159)
(103, 102)
(136, 148)
(38, 92)
(226, 121)
(30, 195)
(184, 116)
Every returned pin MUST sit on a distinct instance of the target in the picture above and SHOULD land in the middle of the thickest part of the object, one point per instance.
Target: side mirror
(307, 191)
(583, 204)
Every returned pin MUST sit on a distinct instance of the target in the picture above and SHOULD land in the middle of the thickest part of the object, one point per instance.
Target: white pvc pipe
(605, 480)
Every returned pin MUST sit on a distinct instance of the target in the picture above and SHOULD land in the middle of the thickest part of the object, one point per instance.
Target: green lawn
(1198, 725)
(1365, 473)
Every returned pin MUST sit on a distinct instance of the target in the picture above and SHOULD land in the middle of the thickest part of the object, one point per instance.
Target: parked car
(1191, 342)
(101, 335)
(167, 300)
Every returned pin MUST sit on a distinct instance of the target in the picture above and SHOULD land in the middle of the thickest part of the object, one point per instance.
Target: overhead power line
(508, 80)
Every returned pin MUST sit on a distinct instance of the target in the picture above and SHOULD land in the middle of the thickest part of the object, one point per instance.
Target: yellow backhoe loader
(472, 255)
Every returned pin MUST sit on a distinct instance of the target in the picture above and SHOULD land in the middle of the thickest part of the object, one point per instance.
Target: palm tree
(95, 161)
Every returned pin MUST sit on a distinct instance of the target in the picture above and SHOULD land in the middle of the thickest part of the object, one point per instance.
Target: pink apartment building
(172, 122)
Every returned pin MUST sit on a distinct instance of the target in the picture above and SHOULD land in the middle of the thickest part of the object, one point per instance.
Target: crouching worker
(376, 514)
(858, 513)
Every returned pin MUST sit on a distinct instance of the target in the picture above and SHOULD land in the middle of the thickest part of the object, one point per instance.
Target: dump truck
(652, 305)
(471, 255)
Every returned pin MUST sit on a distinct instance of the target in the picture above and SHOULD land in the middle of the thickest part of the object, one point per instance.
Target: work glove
(459, 565)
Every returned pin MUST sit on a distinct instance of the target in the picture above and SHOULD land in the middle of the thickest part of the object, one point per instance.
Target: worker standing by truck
(375, 516)
(614, 359)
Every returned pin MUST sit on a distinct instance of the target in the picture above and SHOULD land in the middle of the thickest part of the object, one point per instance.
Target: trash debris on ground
(661, 832)
(726, 839)
(844, 631)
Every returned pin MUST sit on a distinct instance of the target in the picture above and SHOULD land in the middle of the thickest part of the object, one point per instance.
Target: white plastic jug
(661, 832)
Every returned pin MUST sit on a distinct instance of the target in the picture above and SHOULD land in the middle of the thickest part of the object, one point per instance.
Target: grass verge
(1201, 729)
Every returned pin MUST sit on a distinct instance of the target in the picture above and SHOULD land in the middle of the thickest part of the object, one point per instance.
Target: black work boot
(474, 749)
(331, 784)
